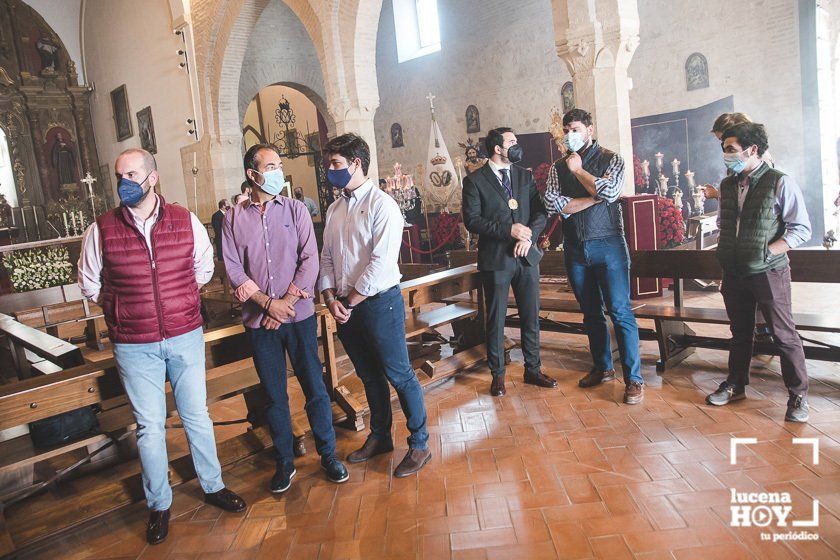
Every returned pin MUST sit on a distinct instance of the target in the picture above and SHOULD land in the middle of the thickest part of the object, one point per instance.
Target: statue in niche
(473, 119)
(472, 161)
(696, 72)
(396, 136)
(48, 51)
(567, 92)
(63, 162)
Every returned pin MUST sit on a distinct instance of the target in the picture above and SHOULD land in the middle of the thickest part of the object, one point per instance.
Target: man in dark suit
(216, 220)
(501, 204)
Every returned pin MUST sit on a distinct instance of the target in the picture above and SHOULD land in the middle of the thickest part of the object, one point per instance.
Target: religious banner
(441, 189)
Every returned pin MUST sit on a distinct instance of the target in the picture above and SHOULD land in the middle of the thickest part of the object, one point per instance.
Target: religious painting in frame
(122, 117)
(146, 130)
(473, 119)
(396, 136)
(696, 72)
(313, 144)
(567, 92)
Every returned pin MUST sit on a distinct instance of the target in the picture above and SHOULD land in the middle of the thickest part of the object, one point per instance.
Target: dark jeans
(300, 340)
(525, 281)
(770, 292)
(599, 272)
(374, 339)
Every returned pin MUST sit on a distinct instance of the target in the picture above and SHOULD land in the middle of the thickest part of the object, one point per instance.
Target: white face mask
(574, 140)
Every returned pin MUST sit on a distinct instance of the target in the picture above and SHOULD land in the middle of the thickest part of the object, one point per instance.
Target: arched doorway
(288, 118)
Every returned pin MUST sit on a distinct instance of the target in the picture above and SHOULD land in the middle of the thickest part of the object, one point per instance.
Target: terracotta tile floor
(562, 473)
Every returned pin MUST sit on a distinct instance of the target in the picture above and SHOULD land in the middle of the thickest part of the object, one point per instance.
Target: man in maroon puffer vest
(143, 262)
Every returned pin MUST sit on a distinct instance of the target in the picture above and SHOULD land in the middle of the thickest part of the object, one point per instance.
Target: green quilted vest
(746, 253)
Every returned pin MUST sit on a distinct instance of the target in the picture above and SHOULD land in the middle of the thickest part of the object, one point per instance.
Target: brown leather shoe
(596, 377)
(158, 526)
(226, 500)
(372, 447)
(634, 393)
(497, 387)
(413, 461)
(540, 380)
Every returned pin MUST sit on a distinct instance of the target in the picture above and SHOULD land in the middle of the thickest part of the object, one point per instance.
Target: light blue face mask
(273, 181)
(574, 141)
(734, 163)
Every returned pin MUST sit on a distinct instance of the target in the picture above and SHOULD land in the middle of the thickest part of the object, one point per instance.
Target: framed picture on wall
(146, 130)
(122, 117)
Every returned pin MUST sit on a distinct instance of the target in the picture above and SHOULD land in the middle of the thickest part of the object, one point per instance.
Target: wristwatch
(346, 303)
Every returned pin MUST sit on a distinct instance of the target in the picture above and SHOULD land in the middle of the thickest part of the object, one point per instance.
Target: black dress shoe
(158, 527)
(372, 447)
(497, 388)
(596, 377)
(226, 500)
(540, 380)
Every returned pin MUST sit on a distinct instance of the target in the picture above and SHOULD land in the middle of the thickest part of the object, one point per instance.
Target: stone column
(597, 40)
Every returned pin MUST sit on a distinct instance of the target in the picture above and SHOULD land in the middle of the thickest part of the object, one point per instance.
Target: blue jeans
(374, 338)
(599, 272)
(300, 340)
(143, 369)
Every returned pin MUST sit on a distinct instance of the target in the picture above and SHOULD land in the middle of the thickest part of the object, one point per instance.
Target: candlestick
(66, 228)
(663, 185)
(73, 221)
(646, 168)
(689, 176)
(675, 165)
(659, 156)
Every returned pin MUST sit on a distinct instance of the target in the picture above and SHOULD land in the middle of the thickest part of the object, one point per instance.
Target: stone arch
(310, 94)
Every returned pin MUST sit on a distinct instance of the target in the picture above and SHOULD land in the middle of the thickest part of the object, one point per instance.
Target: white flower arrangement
(35, 269)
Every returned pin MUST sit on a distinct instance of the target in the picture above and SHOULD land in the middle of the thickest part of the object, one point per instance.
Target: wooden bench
(43, 396)
(466, 319)
(23, 340)
(677, 341)
(51, 317)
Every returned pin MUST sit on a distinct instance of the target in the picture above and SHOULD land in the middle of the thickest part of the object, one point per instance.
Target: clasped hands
(522, 234)
(278, 312)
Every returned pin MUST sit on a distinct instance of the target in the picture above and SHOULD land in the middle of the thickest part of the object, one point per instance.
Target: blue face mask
(339, 177)
(131, 192)
(734, 162)
(574, 141)
(273, 181)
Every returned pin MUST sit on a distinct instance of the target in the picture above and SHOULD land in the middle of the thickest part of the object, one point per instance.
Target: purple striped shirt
(275, 249)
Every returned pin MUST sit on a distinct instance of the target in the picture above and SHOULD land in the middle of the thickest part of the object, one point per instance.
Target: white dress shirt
(362, 240)
(90, 259)
(497, 171)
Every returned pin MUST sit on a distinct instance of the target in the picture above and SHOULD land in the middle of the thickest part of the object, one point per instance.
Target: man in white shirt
(360, 285)
(144, 262)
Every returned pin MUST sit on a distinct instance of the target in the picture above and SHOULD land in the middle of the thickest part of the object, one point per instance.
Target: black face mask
(515, 153)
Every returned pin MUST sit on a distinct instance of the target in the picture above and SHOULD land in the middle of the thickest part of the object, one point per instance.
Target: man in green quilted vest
(762, 216)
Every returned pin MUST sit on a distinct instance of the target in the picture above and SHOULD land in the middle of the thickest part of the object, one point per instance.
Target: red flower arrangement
(638, 175)
(541, 176)
(671, 225)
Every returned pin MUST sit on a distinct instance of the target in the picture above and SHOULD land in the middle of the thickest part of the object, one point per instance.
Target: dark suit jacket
(486, 213)
(216, 220)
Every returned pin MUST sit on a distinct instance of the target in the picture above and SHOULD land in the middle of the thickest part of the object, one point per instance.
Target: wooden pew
(51, 317)
(677, 340)
(43, 396)
(467, 322)
(23, 340)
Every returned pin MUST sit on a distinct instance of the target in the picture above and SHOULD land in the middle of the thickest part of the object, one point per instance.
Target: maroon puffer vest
(147, 300)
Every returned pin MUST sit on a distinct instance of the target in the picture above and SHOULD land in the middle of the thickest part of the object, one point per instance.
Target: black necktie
(506, 181)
